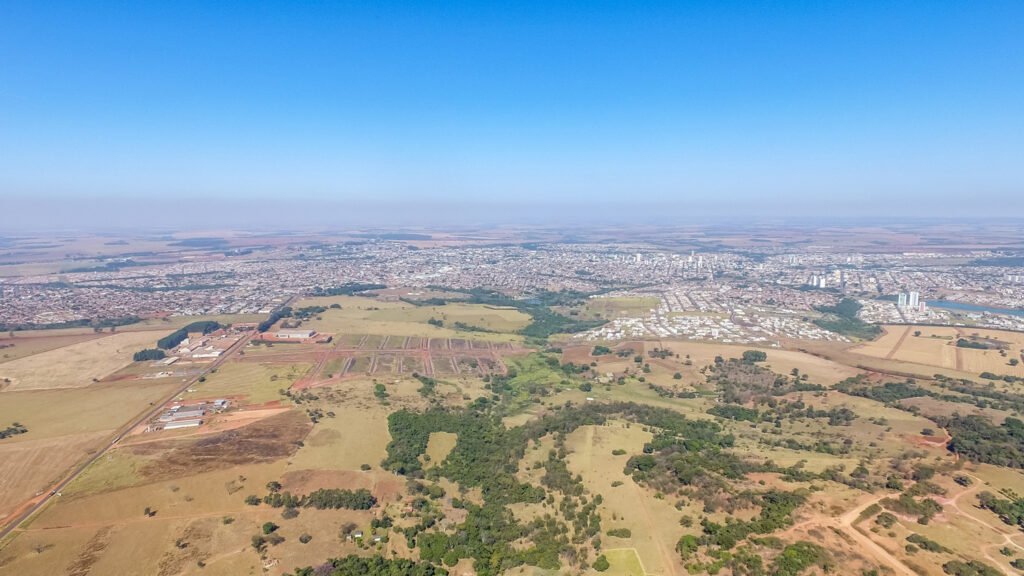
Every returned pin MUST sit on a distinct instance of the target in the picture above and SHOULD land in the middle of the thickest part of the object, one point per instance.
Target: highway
(10, 524)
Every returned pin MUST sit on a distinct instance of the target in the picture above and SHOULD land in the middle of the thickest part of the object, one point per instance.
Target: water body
(965, 307)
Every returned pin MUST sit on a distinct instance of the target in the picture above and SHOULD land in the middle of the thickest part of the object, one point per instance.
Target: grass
(935, 347)
(64, 427)
(27, 468)
(359, 315)
(20, 346)
(77, 364)
(357, 435)
(257, 383)
(489, 318)
(56, 413)
(114, 491)
(118, 469)
(654, 522)
(172, 323)
(624, 562)
(438, 447)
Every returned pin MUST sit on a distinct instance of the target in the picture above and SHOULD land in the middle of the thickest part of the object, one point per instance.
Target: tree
(751, 356)
(269, 527)
(347, 529)
(601, 564)
(677, 376)
(149, 354)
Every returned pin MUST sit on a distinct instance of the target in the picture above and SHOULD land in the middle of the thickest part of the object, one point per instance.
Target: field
(360, 315)
(342, 416)
(249, 382)
(21, 346)
(31, 467)
(63, 427)
(653, 522)
(936, 346)
(438, 447)
(76, 365)
(624, 562)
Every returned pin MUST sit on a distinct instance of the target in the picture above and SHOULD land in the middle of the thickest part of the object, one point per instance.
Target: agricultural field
(20, 346)
(64, 426)
(76, 365)
(937, 346)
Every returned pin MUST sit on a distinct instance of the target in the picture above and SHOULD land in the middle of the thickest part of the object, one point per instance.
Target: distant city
(748, 295)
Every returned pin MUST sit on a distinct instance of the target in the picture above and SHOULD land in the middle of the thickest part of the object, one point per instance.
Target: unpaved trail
(846, 522)
(955, 503)
(896, 347)
(867, 545)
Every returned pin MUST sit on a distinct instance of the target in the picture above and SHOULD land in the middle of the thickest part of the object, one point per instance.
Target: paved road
(12, 523)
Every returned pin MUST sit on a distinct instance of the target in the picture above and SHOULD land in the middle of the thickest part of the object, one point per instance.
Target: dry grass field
(248, 382)
(936, 346)
(78, 364)
(820, 370)
(357, 435)
(28, 468)
(360, 315)
(64, 426)
(67, 412)
(438, 447)
(654, 522)
(21, 346)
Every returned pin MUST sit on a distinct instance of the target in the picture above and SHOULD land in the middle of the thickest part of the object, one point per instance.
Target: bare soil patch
(271, 439)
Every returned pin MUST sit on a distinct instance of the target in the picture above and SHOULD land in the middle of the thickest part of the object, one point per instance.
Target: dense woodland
(692, 455)
(179, 336)
(149, 354)
(842, 319)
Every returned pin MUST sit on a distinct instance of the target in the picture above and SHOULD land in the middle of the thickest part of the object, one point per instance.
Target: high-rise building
(901, 301)
(914, 299)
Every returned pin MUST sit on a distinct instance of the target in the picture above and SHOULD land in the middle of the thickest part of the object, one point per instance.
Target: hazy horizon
(508, 113)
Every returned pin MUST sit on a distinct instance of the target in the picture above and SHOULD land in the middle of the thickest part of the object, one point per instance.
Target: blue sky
(805, 108)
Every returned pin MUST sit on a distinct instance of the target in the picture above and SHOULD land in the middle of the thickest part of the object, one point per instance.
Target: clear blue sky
(809, 108)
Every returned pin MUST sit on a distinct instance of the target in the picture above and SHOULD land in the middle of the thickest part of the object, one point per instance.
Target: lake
(965, 307)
